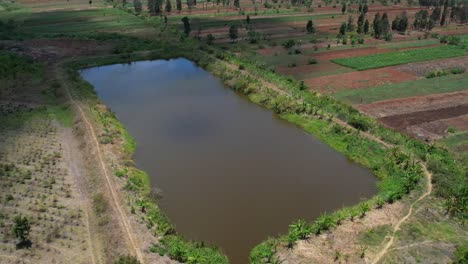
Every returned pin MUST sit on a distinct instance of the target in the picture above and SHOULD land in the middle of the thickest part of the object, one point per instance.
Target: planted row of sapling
(38, 216)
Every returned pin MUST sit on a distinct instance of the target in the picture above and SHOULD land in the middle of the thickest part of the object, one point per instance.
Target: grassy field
(444, 84)
(400, 57)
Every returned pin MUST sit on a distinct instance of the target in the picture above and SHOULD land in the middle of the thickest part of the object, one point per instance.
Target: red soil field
(358, 80)
(302, 69)
(413, 104)
(402, 121)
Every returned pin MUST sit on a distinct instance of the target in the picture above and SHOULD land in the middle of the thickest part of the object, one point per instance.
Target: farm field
(396, 104)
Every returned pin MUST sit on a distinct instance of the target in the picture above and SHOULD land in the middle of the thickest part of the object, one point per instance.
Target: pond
(231, 173)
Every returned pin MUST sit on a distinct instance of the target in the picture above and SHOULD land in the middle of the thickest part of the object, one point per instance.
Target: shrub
(289, 44)
(359, 123)
(127, 260)
(457, 70)
(300, 228)
(312, 61)
(324, 223)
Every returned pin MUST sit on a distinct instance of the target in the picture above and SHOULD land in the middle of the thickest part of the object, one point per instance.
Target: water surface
(231, 173)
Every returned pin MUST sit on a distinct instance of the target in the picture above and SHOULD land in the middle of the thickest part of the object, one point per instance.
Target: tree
(168, 6)
(127, 260)
(403, 22)
(350, 25)
(310, 27)
(396, 23)
(210, 39)
(233, 32)
(247, 19)
(137, 5)
(154, 6)
(187, 28)
(436, 14)
(365, 9)
(377, 25)
(360, 8)
(444, 13)
(343, 8)
(385, 24)
(179, 5)
(343, 29)
(21, 229)
(360, 24)
(366, 27)
(236, 3)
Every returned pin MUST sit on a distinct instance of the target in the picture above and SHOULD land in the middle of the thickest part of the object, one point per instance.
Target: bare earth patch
(413, 104)
(358, 80)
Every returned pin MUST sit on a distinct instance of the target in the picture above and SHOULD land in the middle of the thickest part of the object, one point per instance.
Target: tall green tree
(187, 28)
(435, 15)
(360, 24)
(366, 27)
(168, 6)
(365, 8)
(233, 32)
(247, 19)
(343, 29)
(236, 3)
(444, 13)
(377, 26)
(179, 5)
(350, 25)
(137, 5)
(385, 24)
(403, 22)
(310, 27)
(343, 8)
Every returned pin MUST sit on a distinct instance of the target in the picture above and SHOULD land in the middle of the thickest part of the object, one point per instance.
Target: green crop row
(400, 57)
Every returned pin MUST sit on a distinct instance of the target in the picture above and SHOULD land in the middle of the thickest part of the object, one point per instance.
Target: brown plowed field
(358, 80)
(413, 104)
(402, 121)
(438, 129)
(422, 68)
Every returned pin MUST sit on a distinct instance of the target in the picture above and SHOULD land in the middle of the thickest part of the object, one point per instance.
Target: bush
(457, 70)
(127, 260)
(312, 61)
(289, 44)
(359, 123)
(300, 229)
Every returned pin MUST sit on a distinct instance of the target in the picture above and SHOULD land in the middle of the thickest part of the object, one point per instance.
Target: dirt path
(123, 219)
(384, 251)
(78, 178)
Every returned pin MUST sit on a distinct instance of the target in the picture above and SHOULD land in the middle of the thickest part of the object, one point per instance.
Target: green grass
(443, 84)
(400, 57)
(375, 236)
(79, 21)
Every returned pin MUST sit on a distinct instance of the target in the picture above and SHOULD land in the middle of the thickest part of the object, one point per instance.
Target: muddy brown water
(230, 172)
